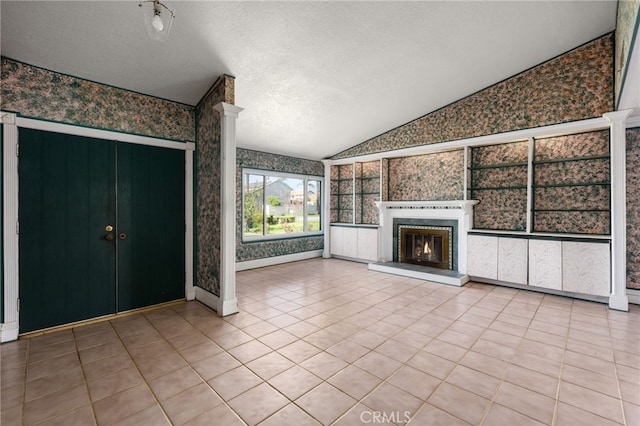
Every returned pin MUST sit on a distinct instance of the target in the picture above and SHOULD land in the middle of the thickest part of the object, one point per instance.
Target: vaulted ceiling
(314, 77)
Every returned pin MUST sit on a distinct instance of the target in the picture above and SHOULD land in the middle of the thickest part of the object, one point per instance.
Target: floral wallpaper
(574, 86)
(438, 176)
(626, 27)
(208, 185)
(633, 208)
(278, 163)
(38, 93)
(579, 145)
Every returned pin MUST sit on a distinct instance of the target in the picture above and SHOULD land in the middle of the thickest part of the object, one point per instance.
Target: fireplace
(426, 245)
(432, 235)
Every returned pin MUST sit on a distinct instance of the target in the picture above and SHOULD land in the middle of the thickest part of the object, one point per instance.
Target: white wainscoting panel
(513, 260)
(585, 268)
(482, 256)
(337, 241)
(368, 244)
(545, 264)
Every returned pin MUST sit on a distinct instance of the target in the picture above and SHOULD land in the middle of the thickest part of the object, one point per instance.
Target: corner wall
(208, 178)
(627, 22)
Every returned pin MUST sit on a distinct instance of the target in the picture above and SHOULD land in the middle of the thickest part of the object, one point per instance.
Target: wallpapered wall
(279, 163)
(208, 184)
(38, 93)
(574, 86)
(633, 208)
(626, 25)
(430, 177)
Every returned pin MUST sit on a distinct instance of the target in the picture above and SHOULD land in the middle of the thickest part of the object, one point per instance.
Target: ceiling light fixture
(158, 19)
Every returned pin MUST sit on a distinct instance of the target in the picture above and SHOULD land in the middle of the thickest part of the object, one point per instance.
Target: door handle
(109, 236)
(122, 236)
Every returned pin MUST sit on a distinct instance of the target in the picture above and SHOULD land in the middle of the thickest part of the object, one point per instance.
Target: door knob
(122, 236)
(108, 228)
(109, 237)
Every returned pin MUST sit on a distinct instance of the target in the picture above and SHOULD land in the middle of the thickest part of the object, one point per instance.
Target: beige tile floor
(328, 342)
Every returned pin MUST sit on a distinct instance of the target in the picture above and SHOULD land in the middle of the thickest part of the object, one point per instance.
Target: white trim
(633, 122)
(326, 209)
(514, 136)
(634, 296)
(305, 218)
(207, 298)
(530, 155)
(618, 299)
(277, 260)
(465, 171)
(69, 129)
(189, 289)
(9, 328)
(227, 302)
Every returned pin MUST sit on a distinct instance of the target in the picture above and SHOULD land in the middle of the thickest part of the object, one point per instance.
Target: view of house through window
(279, 205)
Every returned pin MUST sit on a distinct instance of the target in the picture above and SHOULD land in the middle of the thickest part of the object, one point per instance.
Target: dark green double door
(101, 227)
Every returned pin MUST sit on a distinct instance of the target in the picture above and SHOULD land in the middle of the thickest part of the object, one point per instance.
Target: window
(280, 205)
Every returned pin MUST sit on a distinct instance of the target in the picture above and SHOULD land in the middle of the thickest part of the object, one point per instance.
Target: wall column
(9, 326)
(618, 166)
(227, 303)
(326, 209)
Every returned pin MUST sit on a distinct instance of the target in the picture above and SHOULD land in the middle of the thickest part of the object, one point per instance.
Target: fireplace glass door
(425, 246)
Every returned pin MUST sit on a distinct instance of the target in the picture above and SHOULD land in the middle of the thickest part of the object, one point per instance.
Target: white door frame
(11, 124)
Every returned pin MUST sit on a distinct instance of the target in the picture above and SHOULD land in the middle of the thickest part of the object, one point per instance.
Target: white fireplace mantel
(460, 210)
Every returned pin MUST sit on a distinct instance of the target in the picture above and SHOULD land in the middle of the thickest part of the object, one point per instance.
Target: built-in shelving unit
(341, 208)
(355, 187)
(571, 184)
(498, 178)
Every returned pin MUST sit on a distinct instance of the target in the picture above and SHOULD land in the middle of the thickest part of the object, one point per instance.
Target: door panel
(151, 265)
(70, 189)
(66, 198)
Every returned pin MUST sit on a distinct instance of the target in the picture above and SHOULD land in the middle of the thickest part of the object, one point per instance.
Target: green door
(71, 189)
(151, 225)
(66, 199)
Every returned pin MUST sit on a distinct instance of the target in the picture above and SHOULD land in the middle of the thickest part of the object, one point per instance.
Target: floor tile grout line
(84, 377)
(617, 376)
(192, 369)
(133, 360)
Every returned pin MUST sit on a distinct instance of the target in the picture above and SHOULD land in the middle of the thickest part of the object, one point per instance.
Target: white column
(326, 209)
(618, 299)
(9, 328)
(189, 288)
(228, 303)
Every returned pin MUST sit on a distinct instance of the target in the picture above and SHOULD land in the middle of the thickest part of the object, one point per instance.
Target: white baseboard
(209, 299)
(8, 332)
(276, 260)
(634, 296)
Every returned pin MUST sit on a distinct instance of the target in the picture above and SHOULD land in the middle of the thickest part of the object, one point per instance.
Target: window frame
(267, 174)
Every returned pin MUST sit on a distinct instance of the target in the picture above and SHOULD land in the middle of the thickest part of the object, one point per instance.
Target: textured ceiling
(314, 78)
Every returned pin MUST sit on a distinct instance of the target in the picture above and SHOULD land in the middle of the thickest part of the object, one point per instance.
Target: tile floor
(328, 342)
